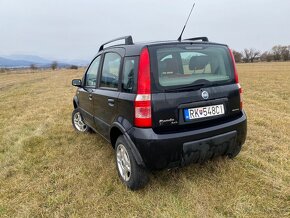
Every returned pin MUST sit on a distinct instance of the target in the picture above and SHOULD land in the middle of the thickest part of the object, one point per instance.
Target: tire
(78, 122)
(132, 175)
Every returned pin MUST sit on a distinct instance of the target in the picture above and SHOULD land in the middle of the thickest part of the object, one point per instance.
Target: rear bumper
(175, 149)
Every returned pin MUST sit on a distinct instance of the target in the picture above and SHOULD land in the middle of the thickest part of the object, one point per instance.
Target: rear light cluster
(237, 78)
(241, 96)
(142, 104)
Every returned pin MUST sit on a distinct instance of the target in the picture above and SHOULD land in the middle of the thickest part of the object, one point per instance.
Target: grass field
(49, 170)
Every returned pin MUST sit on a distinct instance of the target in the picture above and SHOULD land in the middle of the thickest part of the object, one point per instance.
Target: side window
(91, 76)
(110, 71)
(129, 69)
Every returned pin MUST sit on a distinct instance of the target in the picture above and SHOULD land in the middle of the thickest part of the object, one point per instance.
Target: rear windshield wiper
(191, 87)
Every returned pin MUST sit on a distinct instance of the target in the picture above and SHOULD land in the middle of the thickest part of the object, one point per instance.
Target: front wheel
(132, 175)
(78, 121)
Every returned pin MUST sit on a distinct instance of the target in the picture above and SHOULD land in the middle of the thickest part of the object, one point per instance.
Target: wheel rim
(79, 123)
(123, 162)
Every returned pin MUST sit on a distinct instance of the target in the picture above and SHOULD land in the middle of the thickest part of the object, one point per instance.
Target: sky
(74, 29)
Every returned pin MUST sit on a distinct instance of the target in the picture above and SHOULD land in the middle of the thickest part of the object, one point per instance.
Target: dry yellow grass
(48, 169)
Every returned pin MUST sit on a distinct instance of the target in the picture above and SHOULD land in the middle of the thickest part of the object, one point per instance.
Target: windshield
(185, 65)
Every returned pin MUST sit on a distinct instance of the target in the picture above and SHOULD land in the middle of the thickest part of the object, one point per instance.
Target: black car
(162, 104)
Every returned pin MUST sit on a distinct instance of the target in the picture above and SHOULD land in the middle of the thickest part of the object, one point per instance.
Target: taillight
(237, 78)
(235, 68)
(241, 96)
(142, 104)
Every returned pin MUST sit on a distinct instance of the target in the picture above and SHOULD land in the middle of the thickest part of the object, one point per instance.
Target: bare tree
(249, 55)
(285, 53)
(246, 55)
(73, 67)
(33, 67)
(267, 56)
(238, 56)
(277, 52)
(54, 65)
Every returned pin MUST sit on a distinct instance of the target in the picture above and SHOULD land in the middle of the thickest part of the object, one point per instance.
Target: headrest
(170, 65)
(198, 62)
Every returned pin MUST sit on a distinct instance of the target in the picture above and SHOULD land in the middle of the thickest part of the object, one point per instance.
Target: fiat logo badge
(204, 95)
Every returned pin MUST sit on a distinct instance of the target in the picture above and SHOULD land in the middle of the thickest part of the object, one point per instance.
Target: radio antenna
(179, 38)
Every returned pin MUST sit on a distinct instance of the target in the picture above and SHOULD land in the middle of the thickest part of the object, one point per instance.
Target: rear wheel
(131, 174)
(78, 122)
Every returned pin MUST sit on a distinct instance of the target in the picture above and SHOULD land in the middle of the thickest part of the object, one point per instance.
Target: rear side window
(110, 70)
(184, 65)
(129, 69)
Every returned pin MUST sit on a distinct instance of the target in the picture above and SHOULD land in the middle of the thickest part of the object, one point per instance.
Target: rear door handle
(90, 97)
(111, 102)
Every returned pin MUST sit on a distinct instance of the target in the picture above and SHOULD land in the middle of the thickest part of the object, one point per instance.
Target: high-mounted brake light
(142, 104)
(237, 78)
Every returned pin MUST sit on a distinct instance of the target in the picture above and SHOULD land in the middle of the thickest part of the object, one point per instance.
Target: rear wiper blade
(189, 87)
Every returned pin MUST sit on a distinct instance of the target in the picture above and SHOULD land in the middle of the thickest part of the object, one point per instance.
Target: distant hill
(30, 58)
(24, 61)
(4, 62)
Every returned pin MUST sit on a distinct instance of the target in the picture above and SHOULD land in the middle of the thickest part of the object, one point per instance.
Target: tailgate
(192, 85)
(168, 109)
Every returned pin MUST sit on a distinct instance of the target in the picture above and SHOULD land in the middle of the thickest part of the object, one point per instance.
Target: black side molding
(131, 144)
(75, 101)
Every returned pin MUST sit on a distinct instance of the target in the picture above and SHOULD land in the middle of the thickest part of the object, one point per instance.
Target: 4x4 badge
(204, 95)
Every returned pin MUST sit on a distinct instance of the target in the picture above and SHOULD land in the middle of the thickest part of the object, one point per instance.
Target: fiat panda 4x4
(162, 104)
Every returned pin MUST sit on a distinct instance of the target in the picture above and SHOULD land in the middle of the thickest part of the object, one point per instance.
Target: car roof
(133, 49)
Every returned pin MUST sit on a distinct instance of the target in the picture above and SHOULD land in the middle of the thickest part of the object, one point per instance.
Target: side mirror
(76, 82)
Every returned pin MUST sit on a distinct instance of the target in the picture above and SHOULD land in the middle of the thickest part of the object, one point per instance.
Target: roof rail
(128, 41)
(204, 39)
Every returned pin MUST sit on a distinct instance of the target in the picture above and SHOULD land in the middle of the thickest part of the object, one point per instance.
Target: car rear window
(183, 65)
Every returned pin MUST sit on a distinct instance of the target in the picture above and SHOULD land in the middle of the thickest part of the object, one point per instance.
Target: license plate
(202, 112)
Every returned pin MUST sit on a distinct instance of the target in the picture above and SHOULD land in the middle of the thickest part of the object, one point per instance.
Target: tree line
(277, 53)
(54, 65)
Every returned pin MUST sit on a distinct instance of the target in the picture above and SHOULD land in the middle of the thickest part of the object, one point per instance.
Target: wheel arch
(116, 130)
(75, 102)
